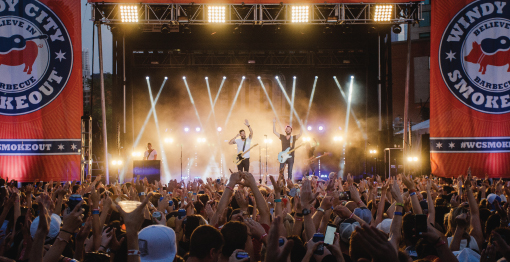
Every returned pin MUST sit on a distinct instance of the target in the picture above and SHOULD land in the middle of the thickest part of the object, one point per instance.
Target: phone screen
(421, 223)
(329, 238)
(379, 192)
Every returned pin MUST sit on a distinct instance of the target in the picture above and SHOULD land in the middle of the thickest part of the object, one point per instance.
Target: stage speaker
(425, 154)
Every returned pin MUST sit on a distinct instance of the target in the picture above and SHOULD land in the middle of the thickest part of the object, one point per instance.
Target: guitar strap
(291, 141)
(244, 146)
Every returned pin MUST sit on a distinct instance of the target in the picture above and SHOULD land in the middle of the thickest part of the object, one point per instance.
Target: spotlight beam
(216, 99)
(288, 101)
(212, 104)
(270, 102)
(293, 96)
(193, 103)
(349, 99)
(139, 136)
(311, 99)
(234, 102)
(352, 112)
(163, 154)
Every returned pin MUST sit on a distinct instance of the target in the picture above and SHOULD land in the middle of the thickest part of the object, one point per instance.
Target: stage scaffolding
(257, 14)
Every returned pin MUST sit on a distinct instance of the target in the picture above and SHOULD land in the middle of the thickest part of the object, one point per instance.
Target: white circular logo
(474, 56)
(36, 57)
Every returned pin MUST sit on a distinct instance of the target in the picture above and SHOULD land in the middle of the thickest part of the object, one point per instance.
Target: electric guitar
(312, 159)
(284, 155)
(240, 157)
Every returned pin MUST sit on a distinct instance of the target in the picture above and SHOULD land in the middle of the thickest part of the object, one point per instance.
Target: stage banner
(470, 88)
(41, 90)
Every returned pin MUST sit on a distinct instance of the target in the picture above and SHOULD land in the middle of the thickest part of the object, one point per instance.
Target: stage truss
(257, 14)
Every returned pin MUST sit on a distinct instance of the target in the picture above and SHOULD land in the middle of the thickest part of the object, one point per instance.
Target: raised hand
(277, 253)
(73, 220)
(375, 243)
(246, 122)
(134, 219)
(408, 182)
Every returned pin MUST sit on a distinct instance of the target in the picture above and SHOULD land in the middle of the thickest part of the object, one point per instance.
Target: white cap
(346, 228)
(54, 226)
(157, 243)
(385, 225)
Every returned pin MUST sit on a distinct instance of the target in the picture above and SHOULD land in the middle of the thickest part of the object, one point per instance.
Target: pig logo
(36, 57)
(474, 56)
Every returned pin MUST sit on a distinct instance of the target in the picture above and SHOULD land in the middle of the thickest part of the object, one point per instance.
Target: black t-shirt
(286, 143)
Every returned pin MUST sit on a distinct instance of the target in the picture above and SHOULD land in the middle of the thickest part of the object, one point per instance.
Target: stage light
(294, 77)
(337, 138)
(206, 77)
(373, 151)
(396, 29)
(268, 141)
(258, 77)
(276, 77)
(147, 77)
(321, 128)
(415, 159)
(224, 77)
(216, 14)
(316, 77)
(119, 162)
(244, 77)
(300, 14)
(307, 139)
(129, 13)
(166, 78)
(114, 162)
(169, 140)
(219, 129)
(183, 77)
(309, 128)
(201, 140)
(410, 159)
(186, 129)
(352, 77)
(383, 13)
(197, 129)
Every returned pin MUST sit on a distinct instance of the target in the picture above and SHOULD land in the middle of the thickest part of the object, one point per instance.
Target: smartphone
(281, 242)
(181, 213)
(421, 223)
(218, 181)
(201, 192)
(318, 237)
(271, 210)
(346, 195)
(379, 192)
(293, 192)
(242, 255)
(329, 238)
(157, 216)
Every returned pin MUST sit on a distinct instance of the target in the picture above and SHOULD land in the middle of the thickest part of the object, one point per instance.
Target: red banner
(470, 88)
(41, 91)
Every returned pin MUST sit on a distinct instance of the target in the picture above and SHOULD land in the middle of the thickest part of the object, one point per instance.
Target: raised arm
(431, 219)
(259, 199)
(396, 223)
(274, 128)
(415, 203)
(476, 226)
(233, 140)
(300, 133)
(249, 127)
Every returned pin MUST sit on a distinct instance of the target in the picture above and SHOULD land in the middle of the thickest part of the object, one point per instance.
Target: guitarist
(287, 141)
(243, 144)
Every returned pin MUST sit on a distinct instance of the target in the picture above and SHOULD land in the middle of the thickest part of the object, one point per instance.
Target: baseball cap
(491, 198)
(157, 243)
(363, 213)
(54, 226)
(346, 228)
(385, 225)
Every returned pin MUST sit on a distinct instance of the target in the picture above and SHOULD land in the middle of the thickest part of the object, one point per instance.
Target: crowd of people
(402, 218)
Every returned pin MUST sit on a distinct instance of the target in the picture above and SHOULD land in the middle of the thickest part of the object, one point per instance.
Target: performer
(287, 141)
(310, 163)
(150, 154)
(243, 144)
